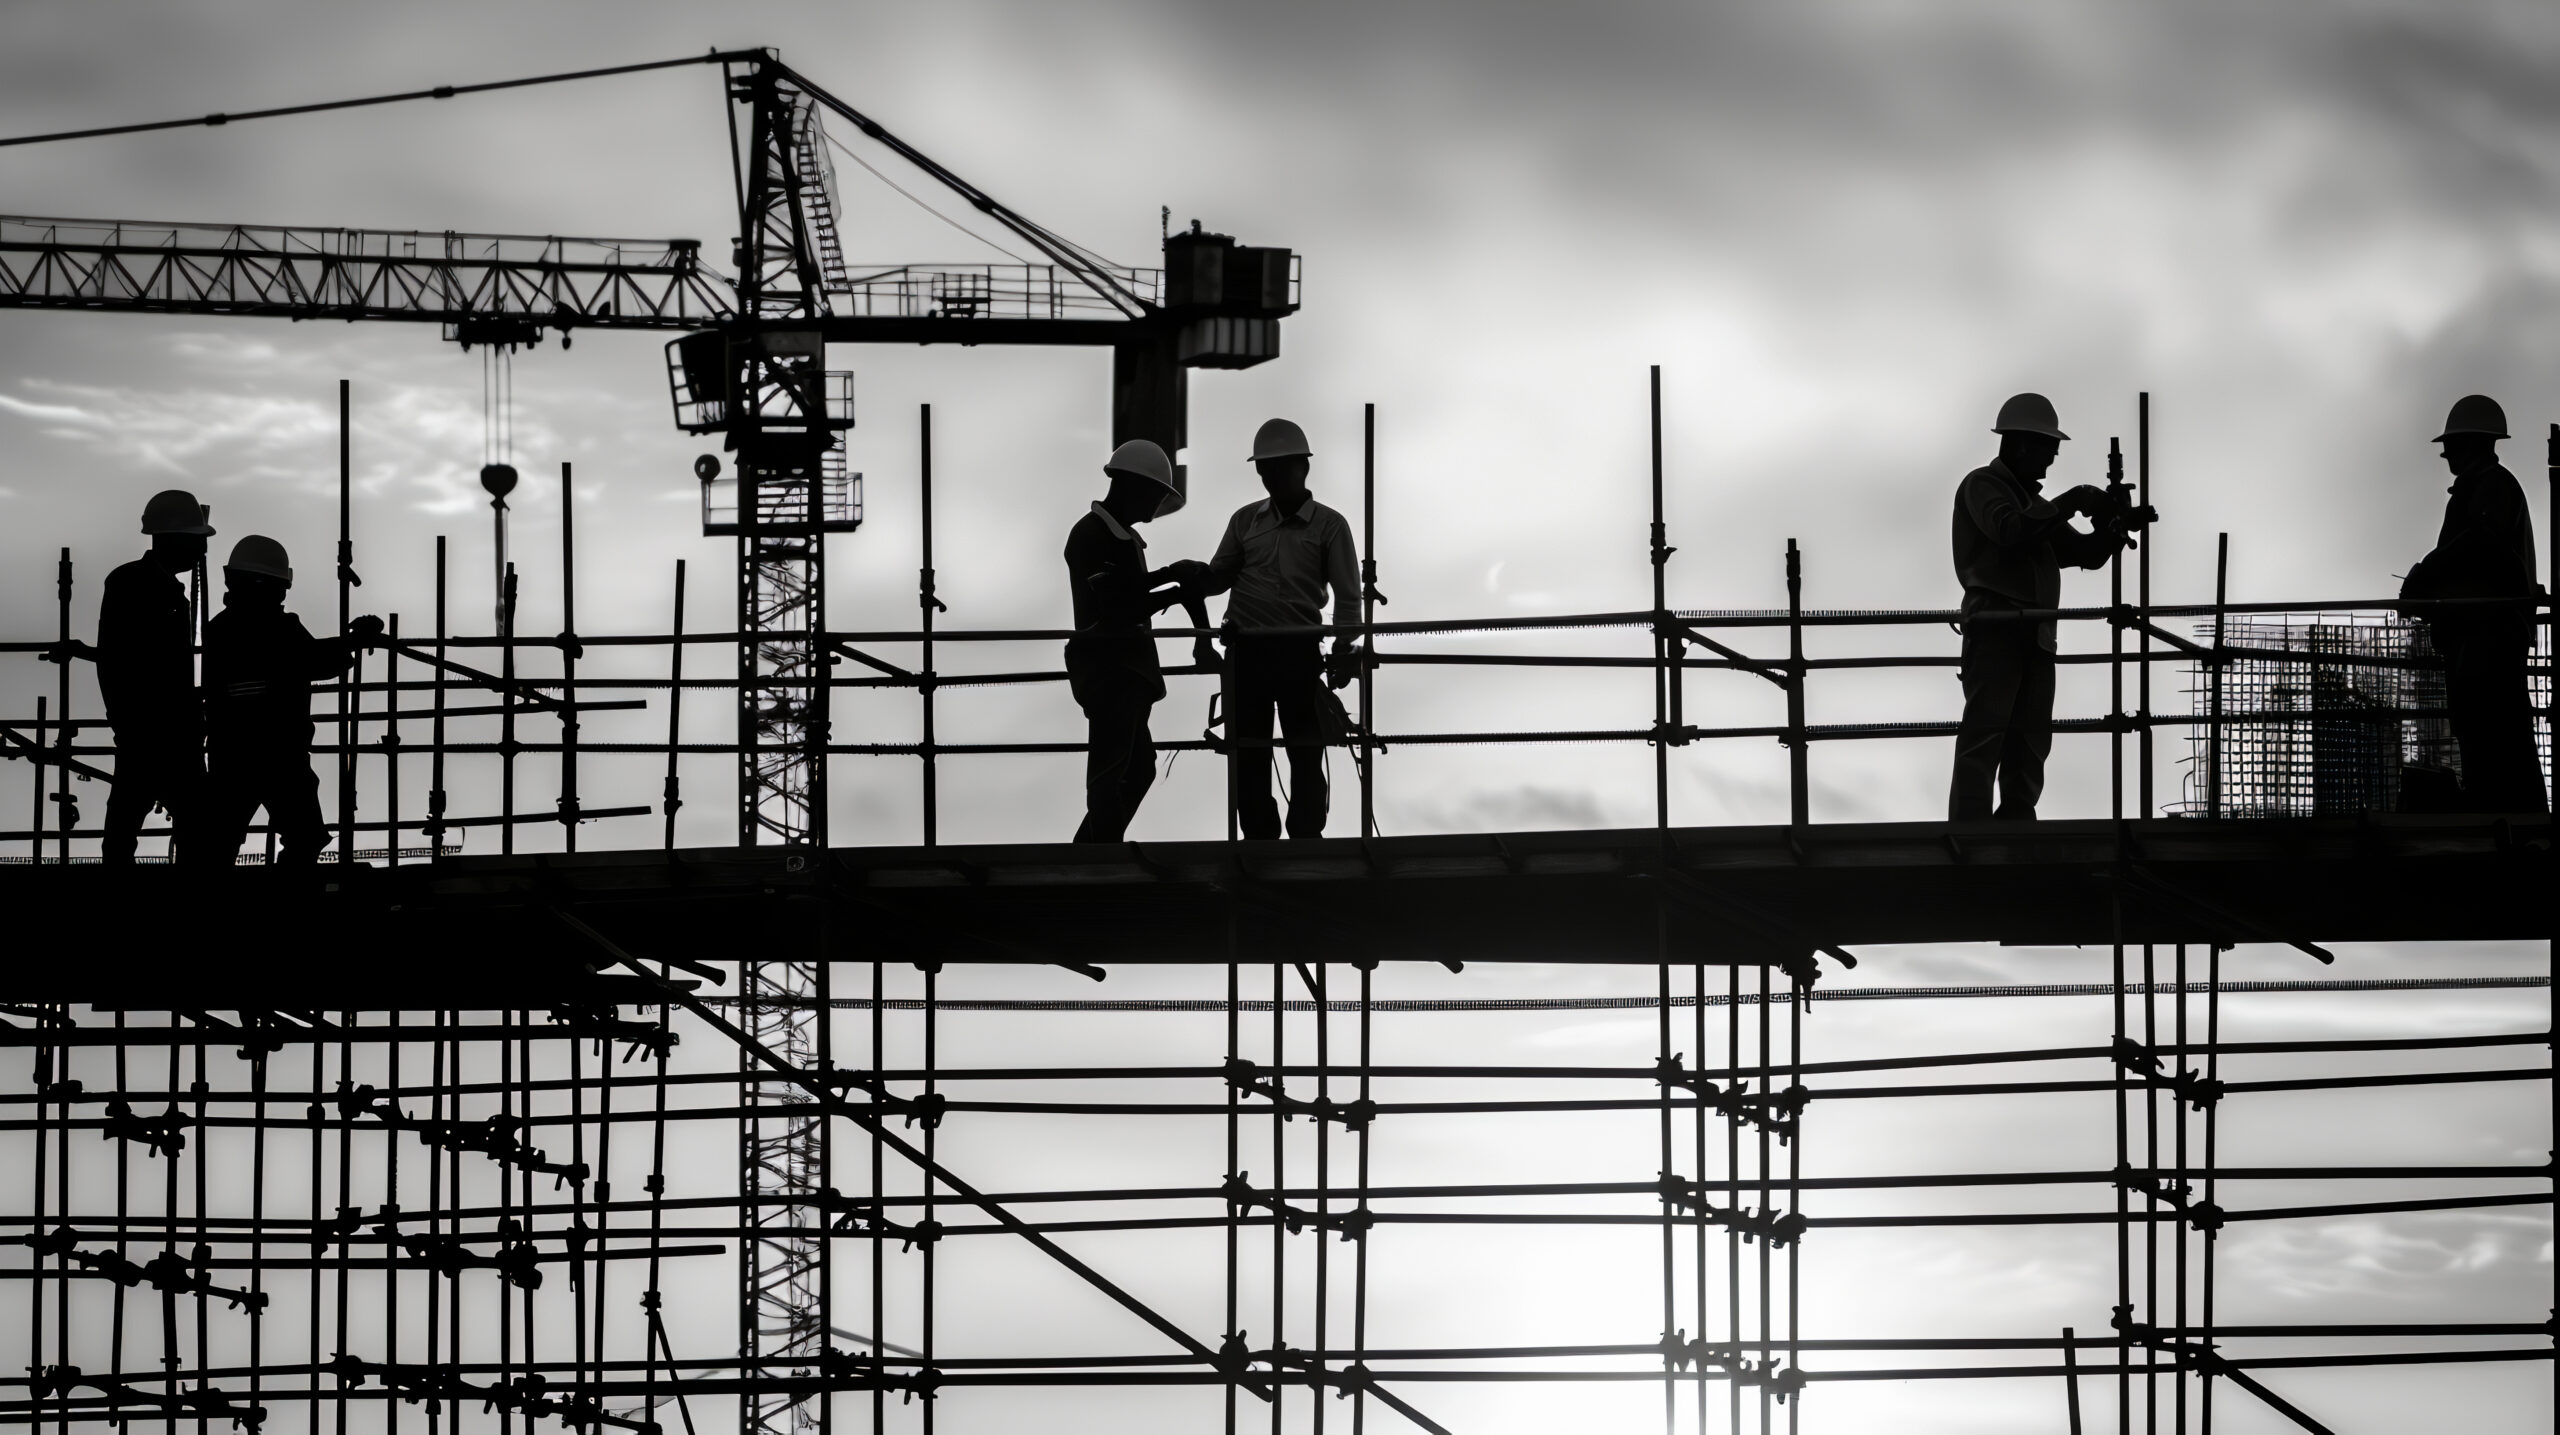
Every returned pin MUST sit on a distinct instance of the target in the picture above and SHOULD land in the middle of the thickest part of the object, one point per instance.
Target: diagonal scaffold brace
(872, 1122)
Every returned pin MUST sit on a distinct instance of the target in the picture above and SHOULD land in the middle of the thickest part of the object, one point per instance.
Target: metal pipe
(346, 612)
(1661, 556)
(507, 747)
(62, 708)
(391, 746)
(435, 767)
(2142, 594)
(671, 797)
(927, 604)
(568, 656)
(2213, 679)
(1369, 601)
(1799, 776)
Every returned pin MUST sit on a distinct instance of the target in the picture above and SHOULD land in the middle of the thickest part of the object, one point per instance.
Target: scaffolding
(497, 1187)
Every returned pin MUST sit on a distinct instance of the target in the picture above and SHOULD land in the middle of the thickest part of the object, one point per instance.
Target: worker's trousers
(2492, 717)
(239, 782)
(1119, 759)
(2007, 728)
(1283, 677)
(153, 769)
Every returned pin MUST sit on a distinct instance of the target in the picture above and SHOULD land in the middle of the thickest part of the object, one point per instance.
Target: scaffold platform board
(482, 930)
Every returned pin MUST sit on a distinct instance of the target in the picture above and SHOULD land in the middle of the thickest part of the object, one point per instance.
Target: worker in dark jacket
(259, 663)
(1112, 666)
(1282, 556)
(147, 674)
(2010, 547)
(2484, 550)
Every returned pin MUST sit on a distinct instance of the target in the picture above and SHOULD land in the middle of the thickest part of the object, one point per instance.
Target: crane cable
(440, 92)
(839, 147)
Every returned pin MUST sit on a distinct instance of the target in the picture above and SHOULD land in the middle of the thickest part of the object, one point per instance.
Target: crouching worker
(1111, 661)
(259, 663)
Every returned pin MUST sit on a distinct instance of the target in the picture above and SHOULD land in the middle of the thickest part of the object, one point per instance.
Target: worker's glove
(366, 630)
(1343, 664)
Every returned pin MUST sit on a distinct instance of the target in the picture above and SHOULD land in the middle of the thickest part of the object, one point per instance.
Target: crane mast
(792, 491)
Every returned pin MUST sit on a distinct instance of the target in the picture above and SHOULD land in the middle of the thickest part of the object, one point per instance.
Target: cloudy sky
(1846, 232)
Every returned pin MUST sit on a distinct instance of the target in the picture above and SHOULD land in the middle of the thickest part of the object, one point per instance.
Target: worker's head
(1143, 483)
(258, 573)
(2030, 435)
(1280, 456)
(2471, 433)
(178, 526)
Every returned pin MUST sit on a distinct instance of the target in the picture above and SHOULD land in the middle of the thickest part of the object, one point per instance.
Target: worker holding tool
(259, 663)
(1111, 661)
(1279, 557)
(2010, 545)
(2484, 551)
(147, 674)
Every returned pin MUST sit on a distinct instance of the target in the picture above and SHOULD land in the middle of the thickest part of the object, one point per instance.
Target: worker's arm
(1996, 509)
(1219, 574)
(328, 657)
(117, 624)
(1204, 652)
(2075, 549)
(1342, 575)
(2486, 527)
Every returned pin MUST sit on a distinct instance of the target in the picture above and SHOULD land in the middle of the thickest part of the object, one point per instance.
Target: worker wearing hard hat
(2484, 551)
(1280, 557)
(2010, 547)
(259, 663)
(1112, 666)
(147, 674)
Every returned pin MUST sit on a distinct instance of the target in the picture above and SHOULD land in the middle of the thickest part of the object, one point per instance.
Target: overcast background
(1845, 231)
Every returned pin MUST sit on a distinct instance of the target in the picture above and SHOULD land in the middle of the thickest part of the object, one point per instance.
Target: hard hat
(174, 510)
(2029, 413)
(1141, 458)
(258, 553)
(1279, 438)
(2472, 413)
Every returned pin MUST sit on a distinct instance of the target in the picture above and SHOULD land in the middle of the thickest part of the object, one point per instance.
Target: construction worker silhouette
(259, 662)
(1112, 666)
(2484, 551)
(2010, 546)
(147, 673)
(1279, 557)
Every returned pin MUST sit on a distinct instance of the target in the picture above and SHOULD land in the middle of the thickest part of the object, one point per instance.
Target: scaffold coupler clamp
(1672, 1071)
(1802, 969)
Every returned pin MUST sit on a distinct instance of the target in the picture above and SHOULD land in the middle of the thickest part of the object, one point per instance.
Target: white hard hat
(1279, 438)
(1142, 458)
(258, 553)
(174, 510)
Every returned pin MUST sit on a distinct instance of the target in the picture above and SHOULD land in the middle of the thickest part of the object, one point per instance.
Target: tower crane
(748, 363)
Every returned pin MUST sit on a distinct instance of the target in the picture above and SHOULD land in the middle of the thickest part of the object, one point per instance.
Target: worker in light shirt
(1277, 561)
